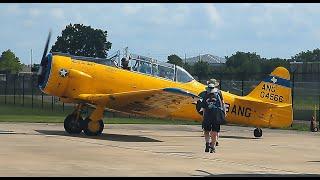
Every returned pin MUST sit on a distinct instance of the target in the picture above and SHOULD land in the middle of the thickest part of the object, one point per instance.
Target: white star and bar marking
(63, 72)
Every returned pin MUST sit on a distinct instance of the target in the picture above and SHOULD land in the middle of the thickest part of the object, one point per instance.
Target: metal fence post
(14, 89)
(41, 99)
(292, 90)
(242, 87)
(5, 90)
(51, 103)
(220, 82)
(32, 91)
(23, 90)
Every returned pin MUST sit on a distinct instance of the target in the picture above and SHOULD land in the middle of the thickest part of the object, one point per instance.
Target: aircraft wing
(155, 102)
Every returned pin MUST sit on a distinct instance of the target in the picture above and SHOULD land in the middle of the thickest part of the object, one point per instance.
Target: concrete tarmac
(39, 149)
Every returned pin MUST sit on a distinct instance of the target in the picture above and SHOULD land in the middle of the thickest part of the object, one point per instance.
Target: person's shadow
(103, 136)
(237, 137)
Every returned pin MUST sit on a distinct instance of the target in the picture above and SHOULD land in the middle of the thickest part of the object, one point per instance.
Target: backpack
(220, 115)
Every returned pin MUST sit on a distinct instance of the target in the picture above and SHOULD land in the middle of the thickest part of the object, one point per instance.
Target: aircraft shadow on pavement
(208, 174)
(104, 136)
(237, 137)
(7, 132)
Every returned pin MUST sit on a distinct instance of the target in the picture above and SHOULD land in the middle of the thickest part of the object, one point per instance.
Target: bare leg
(207, 138)
(214, 137)
(217, 138)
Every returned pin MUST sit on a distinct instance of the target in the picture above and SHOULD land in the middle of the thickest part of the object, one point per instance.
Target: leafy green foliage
(201, 70)
(9, 63)
(309, 56)
(174, 59)
(82, 40)
(244, 64)
(269, 65)
(188, 68)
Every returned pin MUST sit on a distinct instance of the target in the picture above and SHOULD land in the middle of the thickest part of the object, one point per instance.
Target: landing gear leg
(257, 132)
(93, 125)
(72, 123)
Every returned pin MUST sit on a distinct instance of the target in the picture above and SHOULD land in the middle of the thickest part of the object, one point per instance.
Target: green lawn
(19, 113)
(37, 114)
(299, 127)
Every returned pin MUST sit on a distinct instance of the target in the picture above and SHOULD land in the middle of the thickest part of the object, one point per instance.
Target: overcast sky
(158, 30)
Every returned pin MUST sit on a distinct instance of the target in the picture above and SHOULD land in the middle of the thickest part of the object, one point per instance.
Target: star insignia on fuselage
(63, 72)
(274, 80)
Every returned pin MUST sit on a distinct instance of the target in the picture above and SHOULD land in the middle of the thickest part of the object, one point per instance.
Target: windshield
(159, 69)
(183, 75)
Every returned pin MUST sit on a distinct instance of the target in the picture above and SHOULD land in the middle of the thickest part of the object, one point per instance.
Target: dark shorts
(210, 126)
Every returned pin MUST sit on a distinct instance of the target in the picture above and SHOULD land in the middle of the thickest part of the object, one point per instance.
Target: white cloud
(246, 5)
(213, 14)
(131, 9)
(34, 12)
(57, 13)
(28, 23)
(13, 9)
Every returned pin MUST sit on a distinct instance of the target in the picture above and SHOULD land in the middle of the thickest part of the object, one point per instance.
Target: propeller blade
(46, 48)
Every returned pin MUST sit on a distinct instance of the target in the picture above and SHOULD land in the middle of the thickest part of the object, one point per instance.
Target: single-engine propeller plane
(154, 89)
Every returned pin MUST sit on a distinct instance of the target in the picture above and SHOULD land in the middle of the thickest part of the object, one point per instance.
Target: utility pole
(126, 52)
(31, 61)
(185, 58)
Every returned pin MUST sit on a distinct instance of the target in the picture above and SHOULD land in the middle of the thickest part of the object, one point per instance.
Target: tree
(269, 65)
(201, 70)
(244, 64)
(82, 40)
(309, 56)
(9, 63)
(174, 59)
(188, 67)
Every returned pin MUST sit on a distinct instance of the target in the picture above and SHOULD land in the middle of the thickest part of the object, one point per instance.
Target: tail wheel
(257, 132)
(72, 124)
(92, 128)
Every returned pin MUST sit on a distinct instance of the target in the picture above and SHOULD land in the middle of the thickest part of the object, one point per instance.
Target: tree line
(82, 40)
(243, 65)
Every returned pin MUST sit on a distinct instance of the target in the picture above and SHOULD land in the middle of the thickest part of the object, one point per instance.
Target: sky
(159, 30)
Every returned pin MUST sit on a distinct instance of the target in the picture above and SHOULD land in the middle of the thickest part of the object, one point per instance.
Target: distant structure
(305, 71)
(26, 69)
(211, 59)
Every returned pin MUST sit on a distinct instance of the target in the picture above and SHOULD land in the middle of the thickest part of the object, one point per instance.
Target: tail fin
(275, 88)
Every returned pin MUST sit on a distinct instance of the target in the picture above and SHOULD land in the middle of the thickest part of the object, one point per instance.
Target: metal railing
(22, 90)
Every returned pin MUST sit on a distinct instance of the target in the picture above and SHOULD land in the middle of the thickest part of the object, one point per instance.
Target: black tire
(257, 132)
(88, 132)
(73, 125)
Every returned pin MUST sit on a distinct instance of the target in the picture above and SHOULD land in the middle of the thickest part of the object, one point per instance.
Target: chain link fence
(22, 90)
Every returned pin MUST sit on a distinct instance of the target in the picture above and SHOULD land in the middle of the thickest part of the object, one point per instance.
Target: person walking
(211, 105)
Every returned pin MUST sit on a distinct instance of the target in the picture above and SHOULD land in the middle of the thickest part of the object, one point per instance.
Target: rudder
(275, 88)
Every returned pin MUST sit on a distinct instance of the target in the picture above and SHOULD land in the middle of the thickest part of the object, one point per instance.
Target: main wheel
(73, 125)
(257, 132)
(92, 128)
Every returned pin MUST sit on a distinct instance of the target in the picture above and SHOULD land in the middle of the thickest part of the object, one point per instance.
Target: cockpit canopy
(156, 68)
(142, 64)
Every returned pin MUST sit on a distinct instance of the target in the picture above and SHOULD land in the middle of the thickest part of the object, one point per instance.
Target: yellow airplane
(154, 89)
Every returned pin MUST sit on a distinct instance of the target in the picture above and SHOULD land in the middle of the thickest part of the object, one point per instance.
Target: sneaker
(207, 148)
(212, 150)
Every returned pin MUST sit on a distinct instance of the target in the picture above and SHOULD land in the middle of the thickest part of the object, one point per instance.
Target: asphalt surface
(34, 149)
